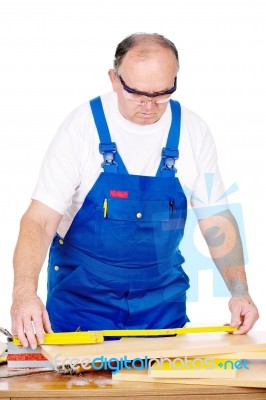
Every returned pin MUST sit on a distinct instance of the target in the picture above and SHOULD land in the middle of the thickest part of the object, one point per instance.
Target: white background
(55, 55)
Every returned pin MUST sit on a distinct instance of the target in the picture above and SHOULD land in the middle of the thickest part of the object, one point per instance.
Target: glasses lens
(142, 98)
(151, 95)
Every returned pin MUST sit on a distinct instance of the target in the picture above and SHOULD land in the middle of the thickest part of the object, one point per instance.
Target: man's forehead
(146, 51)
(150, 62)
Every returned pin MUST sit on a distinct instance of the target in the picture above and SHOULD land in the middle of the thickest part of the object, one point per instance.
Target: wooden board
(194, 367)
(186, 345)
(100, 386)
(247, 355)
(254, 377)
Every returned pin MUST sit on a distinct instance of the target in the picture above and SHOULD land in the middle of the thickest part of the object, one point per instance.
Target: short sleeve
(60, 172)
(208, 194)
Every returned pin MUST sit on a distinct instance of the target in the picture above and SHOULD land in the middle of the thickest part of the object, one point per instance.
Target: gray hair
(142, 38)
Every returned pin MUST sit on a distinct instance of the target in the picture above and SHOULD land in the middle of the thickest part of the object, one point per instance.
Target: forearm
(29, 256)
(223, 239)
(29, 316)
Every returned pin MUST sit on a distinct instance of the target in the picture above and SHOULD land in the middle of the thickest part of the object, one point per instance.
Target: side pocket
(60, 266)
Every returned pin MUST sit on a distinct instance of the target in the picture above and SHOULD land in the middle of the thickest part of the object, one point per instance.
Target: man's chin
(146, 119)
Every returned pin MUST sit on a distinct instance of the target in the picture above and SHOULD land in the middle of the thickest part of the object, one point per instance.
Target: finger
(38, 326)
(235, 315)
(14, 330)
(42, 324)
(29, 332)
(247, 323)
(46, 322)
(19, 331)
(227, 324)
(15, 322)
(245, 328)
(235, 320)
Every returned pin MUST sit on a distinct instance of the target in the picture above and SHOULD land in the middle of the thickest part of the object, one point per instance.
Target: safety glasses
(140, 98)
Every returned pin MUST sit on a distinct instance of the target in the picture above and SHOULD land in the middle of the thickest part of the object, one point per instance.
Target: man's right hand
(29, 316)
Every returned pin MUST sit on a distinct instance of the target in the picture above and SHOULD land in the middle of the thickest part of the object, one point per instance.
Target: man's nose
(148, 104)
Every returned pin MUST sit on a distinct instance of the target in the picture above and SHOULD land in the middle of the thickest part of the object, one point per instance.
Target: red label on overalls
(119, 193)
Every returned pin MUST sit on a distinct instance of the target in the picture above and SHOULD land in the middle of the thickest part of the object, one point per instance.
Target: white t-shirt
(72, 163)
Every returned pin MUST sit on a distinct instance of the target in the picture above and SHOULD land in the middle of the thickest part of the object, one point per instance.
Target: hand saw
(90, 337)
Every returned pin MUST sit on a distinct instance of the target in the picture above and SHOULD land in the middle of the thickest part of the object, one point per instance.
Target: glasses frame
(149, 95)
(157, 94)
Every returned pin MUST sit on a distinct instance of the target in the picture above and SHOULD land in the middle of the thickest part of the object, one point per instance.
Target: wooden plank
(159, 396)
(194, 367)
(186, 345)
(99, 385)
(254, 377)
(247, 355)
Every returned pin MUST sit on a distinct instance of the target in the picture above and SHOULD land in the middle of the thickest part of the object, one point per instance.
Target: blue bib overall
(119, 264)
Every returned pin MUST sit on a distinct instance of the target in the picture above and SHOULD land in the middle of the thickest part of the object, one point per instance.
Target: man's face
(150, 73)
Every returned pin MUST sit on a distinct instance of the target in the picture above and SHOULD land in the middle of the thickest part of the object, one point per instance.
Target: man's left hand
(244, 314)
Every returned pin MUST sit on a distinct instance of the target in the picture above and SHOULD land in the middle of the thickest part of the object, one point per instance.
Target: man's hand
(29, 316)
(244, 314)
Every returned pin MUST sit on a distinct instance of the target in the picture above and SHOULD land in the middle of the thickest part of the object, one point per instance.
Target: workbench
(99, 385)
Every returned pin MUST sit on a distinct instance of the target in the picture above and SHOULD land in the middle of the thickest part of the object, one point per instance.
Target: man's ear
(113, 78)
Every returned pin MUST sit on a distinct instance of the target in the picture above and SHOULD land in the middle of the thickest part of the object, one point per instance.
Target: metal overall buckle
(169, 156)
(108, 151)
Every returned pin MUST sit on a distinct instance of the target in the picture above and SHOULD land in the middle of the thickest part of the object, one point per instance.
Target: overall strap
(112, 162)
(170, 153)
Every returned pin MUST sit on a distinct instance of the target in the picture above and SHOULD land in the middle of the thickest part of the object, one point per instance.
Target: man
(110, 200)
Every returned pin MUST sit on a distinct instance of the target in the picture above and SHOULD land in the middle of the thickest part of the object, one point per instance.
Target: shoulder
(194, 129)
(80, 113)
(193, 121)
(196, 138)
(81, 116)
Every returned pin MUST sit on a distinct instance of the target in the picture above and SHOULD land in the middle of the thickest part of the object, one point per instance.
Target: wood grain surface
(185, 345)
(99, 385)
(254, 377)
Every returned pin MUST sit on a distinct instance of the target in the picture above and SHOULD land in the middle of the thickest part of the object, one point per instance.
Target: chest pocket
(132, 232)
(139, 211)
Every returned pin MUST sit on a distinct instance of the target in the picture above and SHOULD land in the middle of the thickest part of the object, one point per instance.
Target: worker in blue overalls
(110, 205)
